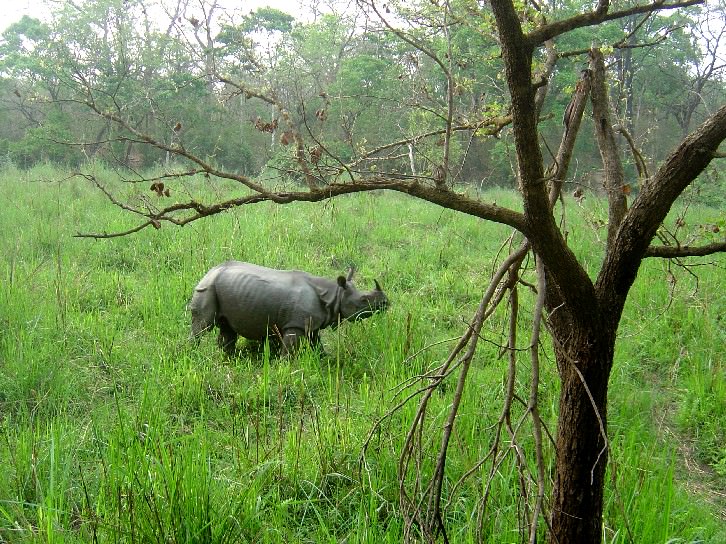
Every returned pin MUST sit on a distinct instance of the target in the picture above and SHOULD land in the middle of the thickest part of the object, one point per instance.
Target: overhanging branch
(443, 197)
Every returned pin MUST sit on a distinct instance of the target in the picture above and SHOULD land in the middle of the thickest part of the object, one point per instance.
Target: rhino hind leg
(294, 339)
(227, 338)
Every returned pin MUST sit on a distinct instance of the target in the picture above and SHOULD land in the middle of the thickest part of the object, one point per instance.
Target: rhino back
(253, 298)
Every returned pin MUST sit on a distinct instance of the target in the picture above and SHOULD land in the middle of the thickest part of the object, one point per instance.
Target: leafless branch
(612, 165)
(431, 520)
(571, 121)
(654, 201)
(671, 252)
(487, 126)
(640, 163)
(599, 15)
(533, 407)
(640, 45)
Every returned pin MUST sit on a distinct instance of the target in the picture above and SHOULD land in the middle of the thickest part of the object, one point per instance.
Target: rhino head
(356, 305)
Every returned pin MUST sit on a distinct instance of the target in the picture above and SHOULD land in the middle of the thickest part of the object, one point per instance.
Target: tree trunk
(584, 359)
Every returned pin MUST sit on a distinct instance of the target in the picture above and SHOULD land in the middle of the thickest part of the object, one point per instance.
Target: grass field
(113, 428)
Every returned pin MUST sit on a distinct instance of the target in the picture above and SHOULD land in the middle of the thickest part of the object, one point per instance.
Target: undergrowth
(115, 429)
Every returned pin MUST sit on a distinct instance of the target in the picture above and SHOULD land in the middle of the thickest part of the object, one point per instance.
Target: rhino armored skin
(255, 302)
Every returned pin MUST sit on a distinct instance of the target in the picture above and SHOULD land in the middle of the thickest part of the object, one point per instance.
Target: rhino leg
(291, 340)
(227, 337)
(254, 346)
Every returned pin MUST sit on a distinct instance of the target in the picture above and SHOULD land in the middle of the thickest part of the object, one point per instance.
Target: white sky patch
(11, 11)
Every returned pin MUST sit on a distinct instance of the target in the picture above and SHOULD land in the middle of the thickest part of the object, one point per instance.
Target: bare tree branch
(600, 15)
(533, 407)
(571, 121)
(670, 252)
(412, 511)
(612, 164)
(449, 199)
(638, 158)
(652, 204)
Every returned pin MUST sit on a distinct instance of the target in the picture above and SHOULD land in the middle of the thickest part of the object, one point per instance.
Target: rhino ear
(378, 285)
(343, 282)
(351, 271)
(326, 294)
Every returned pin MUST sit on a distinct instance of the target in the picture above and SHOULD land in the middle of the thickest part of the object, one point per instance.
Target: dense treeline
(349, 85)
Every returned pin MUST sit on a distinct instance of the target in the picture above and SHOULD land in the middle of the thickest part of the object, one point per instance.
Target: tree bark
(584, 358)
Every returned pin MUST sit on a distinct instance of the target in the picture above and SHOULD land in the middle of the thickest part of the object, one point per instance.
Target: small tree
(581, 315)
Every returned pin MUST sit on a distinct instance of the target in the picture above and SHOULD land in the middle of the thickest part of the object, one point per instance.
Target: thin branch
(653, 203)
(118, 234)
(175, 149)
(533, 407)
(412, 511)
(640, 45)
(494, 126)
(547, 70)
(571, 121)
(446, 198)
(670, 252)
(638, 158)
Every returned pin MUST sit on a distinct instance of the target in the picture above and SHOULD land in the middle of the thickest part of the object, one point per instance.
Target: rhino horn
(378, 285)
(351, 271)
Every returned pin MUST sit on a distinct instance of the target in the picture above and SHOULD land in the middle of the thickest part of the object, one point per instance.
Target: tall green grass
(115, 429)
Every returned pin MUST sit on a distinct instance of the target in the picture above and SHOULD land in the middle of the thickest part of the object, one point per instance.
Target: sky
(12, 11)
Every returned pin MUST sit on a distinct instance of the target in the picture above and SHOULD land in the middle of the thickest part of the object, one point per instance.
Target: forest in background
(341, 78)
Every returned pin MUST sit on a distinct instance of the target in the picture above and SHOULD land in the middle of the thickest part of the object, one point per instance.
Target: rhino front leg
(291, 340)
(227, 338)
(314, 339)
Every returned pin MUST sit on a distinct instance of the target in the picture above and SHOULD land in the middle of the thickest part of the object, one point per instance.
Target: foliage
(46, 143)
(376, 87)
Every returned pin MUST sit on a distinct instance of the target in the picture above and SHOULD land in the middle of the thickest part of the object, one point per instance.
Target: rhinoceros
(255, 302)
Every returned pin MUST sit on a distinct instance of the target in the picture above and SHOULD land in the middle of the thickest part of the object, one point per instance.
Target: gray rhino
(254, 302)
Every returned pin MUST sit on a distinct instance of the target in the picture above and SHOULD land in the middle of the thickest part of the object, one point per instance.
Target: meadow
(114, 428)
